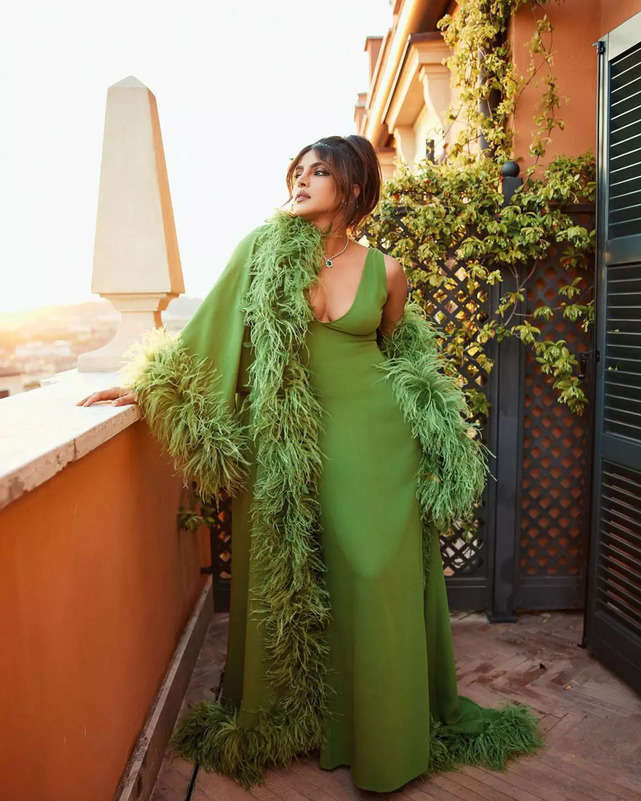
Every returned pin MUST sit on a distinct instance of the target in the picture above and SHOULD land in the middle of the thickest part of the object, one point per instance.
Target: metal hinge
(583, 360)
(600, 47)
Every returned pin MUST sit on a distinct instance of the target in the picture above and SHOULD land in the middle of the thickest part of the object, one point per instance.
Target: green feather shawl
(243, 345)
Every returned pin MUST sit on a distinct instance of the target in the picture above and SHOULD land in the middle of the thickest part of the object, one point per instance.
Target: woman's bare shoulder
(397, 283)
(392, 266)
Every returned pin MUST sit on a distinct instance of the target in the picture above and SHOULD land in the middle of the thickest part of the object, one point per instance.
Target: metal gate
(613, 613)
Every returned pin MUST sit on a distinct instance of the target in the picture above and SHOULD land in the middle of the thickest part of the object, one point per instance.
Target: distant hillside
(45, 317)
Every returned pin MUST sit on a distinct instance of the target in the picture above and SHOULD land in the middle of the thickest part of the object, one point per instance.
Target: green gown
(391, 671)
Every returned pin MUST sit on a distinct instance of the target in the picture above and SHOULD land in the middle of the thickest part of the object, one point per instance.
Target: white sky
(240, 88)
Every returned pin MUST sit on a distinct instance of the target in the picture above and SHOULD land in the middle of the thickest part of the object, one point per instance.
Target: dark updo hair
(351, 160)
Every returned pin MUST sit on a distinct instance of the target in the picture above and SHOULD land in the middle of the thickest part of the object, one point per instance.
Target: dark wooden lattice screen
(528, 550)
(556, 463)
(466, 554)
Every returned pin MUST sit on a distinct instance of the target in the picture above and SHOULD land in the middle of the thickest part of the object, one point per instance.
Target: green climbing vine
(486, 79)
(450, 225)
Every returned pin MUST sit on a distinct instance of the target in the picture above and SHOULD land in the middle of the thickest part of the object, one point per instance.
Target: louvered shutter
(613, 619)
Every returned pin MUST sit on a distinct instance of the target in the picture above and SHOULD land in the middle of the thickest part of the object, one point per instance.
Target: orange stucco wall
(96, 586)
(577, 25)
(614, 13)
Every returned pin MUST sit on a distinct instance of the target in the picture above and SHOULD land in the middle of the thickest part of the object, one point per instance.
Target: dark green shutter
(613, 620)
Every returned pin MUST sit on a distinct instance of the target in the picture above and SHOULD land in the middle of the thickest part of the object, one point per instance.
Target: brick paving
(591, 722)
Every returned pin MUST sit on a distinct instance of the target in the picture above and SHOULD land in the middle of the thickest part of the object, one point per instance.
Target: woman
(307, 388)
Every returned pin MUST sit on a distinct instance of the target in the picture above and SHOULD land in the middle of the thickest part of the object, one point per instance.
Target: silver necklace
(329, 262)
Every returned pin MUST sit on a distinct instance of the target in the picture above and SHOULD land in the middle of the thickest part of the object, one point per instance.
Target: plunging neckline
(361, 281)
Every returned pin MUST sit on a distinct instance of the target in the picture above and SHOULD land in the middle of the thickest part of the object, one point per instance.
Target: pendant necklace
(329, 261)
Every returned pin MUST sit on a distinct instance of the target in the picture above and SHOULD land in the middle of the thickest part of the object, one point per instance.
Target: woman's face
(314, 190)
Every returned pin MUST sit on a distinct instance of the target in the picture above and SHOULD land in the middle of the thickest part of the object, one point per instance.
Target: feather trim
(291, 602)
(453, 469)
(212, 735)
(176, 394)
(507, 731)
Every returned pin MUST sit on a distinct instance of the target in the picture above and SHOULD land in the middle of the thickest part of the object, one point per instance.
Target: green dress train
(394, 711)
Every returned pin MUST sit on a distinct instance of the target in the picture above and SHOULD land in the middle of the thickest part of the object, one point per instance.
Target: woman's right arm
(119, 396)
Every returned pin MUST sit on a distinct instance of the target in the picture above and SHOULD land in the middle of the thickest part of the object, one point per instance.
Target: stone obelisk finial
(136, 261)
